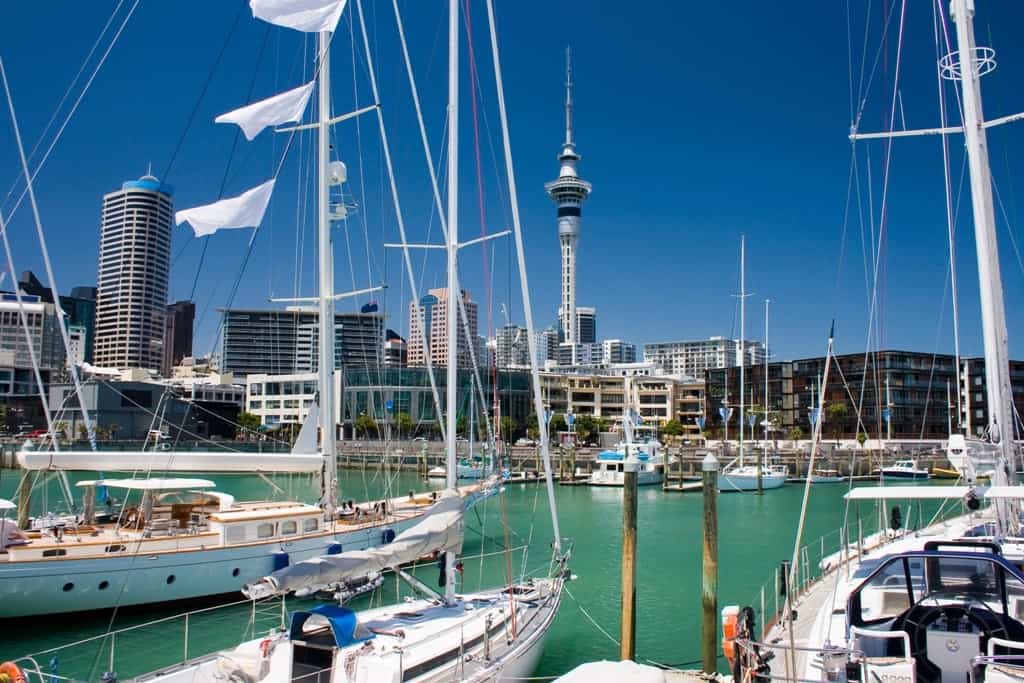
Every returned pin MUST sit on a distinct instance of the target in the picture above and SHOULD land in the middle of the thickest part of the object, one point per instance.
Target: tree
(795, 434)
(557, 424)
(60, 429)
(587, 428)
(248, 422)
(509, 428)
(532, 427)
(365, 424)
(461, 423)
(861, 438)
(83, 431)
(404, 424)
(836, 413)
(673, 428)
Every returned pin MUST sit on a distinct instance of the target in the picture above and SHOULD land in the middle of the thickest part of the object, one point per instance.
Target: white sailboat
(480, 636)
(737, 475)
(944, 602)
(198, 542)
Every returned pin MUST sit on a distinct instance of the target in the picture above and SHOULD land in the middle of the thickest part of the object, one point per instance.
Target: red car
(37, 433)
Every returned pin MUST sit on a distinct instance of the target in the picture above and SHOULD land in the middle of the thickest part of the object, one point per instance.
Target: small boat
(905, 469)
(744, 477)
(826, 476)
(611, 464)
(465, 469)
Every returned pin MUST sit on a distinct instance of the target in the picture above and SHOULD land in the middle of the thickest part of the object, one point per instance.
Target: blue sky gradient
(696, 122)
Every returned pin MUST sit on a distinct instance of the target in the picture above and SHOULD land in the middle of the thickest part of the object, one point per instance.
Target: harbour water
(756, 534)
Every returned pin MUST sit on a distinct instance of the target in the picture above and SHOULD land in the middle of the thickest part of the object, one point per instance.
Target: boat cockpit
(934, 615)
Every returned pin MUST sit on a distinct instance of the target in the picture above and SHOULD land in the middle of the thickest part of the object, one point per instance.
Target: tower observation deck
(569, 192)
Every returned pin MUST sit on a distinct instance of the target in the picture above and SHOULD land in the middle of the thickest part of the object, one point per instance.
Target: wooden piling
(709, 583)
(627, 648)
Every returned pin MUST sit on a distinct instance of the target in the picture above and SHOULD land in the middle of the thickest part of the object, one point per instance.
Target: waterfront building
(181, 316)
(916, 391)
(285, 399)
(569, 192)
(512, 348)
(19, 391)
(284, 341)
(134, 262)
(430, 314)
(693, 358)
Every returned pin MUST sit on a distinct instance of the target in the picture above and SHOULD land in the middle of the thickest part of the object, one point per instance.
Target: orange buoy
(11, 673)
(730, 629)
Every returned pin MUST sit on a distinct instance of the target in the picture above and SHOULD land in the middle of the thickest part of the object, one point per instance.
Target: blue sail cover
(343, 622)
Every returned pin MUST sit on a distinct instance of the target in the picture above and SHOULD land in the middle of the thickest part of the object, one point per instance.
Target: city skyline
(668, 179)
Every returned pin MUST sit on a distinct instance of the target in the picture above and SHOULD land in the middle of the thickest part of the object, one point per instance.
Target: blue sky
(696, 122)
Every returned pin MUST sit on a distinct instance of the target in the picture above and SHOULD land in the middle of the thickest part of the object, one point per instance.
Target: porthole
(170, 579)
(104, 585)
(68, 586)
(235, 572)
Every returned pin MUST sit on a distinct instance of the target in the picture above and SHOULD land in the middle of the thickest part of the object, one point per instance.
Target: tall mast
(743, 300)
(766, 302)
(326, 294)
(993, 311)
(453, 275)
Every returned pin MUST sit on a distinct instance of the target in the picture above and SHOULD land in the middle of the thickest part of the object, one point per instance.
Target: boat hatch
(938, 608)
(340, 623)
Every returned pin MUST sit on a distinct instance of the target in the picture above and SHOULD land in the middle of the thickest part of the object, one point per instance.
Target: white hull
(612, 478)
(748, 482)
(169, 461)
(42, 587)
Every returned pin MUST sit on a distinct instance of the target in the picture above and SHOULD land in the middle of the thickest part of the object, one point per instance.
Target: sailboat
(737, 475)
(478, 636)
(196, 541)
(945, 601)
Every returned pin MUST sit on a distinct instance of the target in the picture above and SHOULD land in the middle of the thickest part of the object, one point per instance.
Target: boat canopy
(907, 492)
(169, 461)
(613, 672)
(6, 504)
(609, 455)
(1002, 492)
(154, 484)
(344, 624)
(441, 530)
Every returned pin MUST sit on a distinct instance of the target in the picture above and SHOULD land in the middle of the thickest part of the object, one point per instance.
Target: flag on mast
(311, 16)
(273, 111)
(244, 211)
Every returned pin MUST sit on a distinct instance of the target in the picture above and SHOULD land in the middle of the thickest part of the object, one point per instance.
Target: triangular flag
(273, 111)
(302, 15)
(244, 211)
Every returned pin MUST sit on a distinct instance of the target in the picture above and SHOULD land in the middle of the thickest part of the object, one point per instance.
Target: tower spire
(568, 95)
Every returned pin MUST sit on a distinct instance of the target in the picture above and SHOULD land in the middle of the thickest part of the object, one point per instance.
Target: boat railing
(156, 644)
(829, 660)
(833, 551)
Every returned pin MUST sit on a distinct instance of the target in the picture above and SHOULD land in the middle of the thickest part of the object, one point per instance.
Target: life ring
(11, 673)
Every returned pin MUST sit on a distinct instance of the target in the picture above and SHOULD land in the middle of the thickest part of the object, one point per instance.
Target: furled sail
(302, 15)
(440, 531)
(244, 211)
(306, 444)
(273, 111)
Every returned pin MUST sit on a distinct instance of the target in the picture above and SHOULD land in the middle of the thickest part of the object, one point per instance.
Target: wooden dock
(685, 487)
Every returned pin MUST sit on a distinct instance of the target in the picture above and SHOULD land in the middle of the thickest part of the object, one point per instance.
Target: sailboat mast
(326, 295)
(743, 301)
(453, 275)
(766, 302)
(993, 310)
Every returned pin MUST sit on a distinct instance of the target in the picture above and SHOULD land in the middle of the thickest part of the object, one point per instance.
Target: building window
(255, 405)
(256, 389)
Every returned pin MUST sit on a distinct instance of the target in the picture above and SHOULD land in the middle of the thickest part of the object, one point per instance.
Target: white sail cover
(306, 441)
(302, 15)
(273, 111)
(244, 211)
(168, 461)
(440, 531)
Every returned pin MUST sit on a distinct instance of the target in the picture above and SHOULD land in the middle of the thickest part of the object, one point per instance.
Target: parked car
(37, 433)
(420, 438)
(525, 442)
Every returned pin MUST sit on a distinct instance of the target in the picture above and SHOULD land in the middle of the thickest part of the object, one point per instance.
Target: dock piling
(709, 585)
(627, 648)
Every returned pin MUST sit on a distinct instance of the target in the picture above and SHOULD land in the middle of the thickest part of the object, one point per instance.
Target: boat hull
(898, 474)
(745, 482)
(36, 588)
(609, 478)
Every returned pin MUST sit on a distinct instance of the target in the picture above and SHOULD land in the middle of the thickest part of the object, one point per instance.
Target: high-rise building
(692, 358)
(586, 325)
(181, 316)
(80, 309)
(396, 353)
(569, 191)
(617, 351)
(134, 263)
(431, 315)
(280, 342)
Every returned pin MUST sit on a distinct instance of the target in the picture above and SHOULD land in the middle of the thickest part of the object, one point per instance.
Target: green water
(756, 534)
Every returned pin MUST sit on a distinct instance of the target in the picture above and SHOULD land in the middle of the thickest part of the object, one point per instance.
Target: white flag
(302, 15)
(273, 111)
(244, 211)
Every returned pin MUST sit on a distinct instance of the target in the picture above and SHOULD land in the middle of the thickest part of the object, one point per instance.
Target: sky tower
(569, 191)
